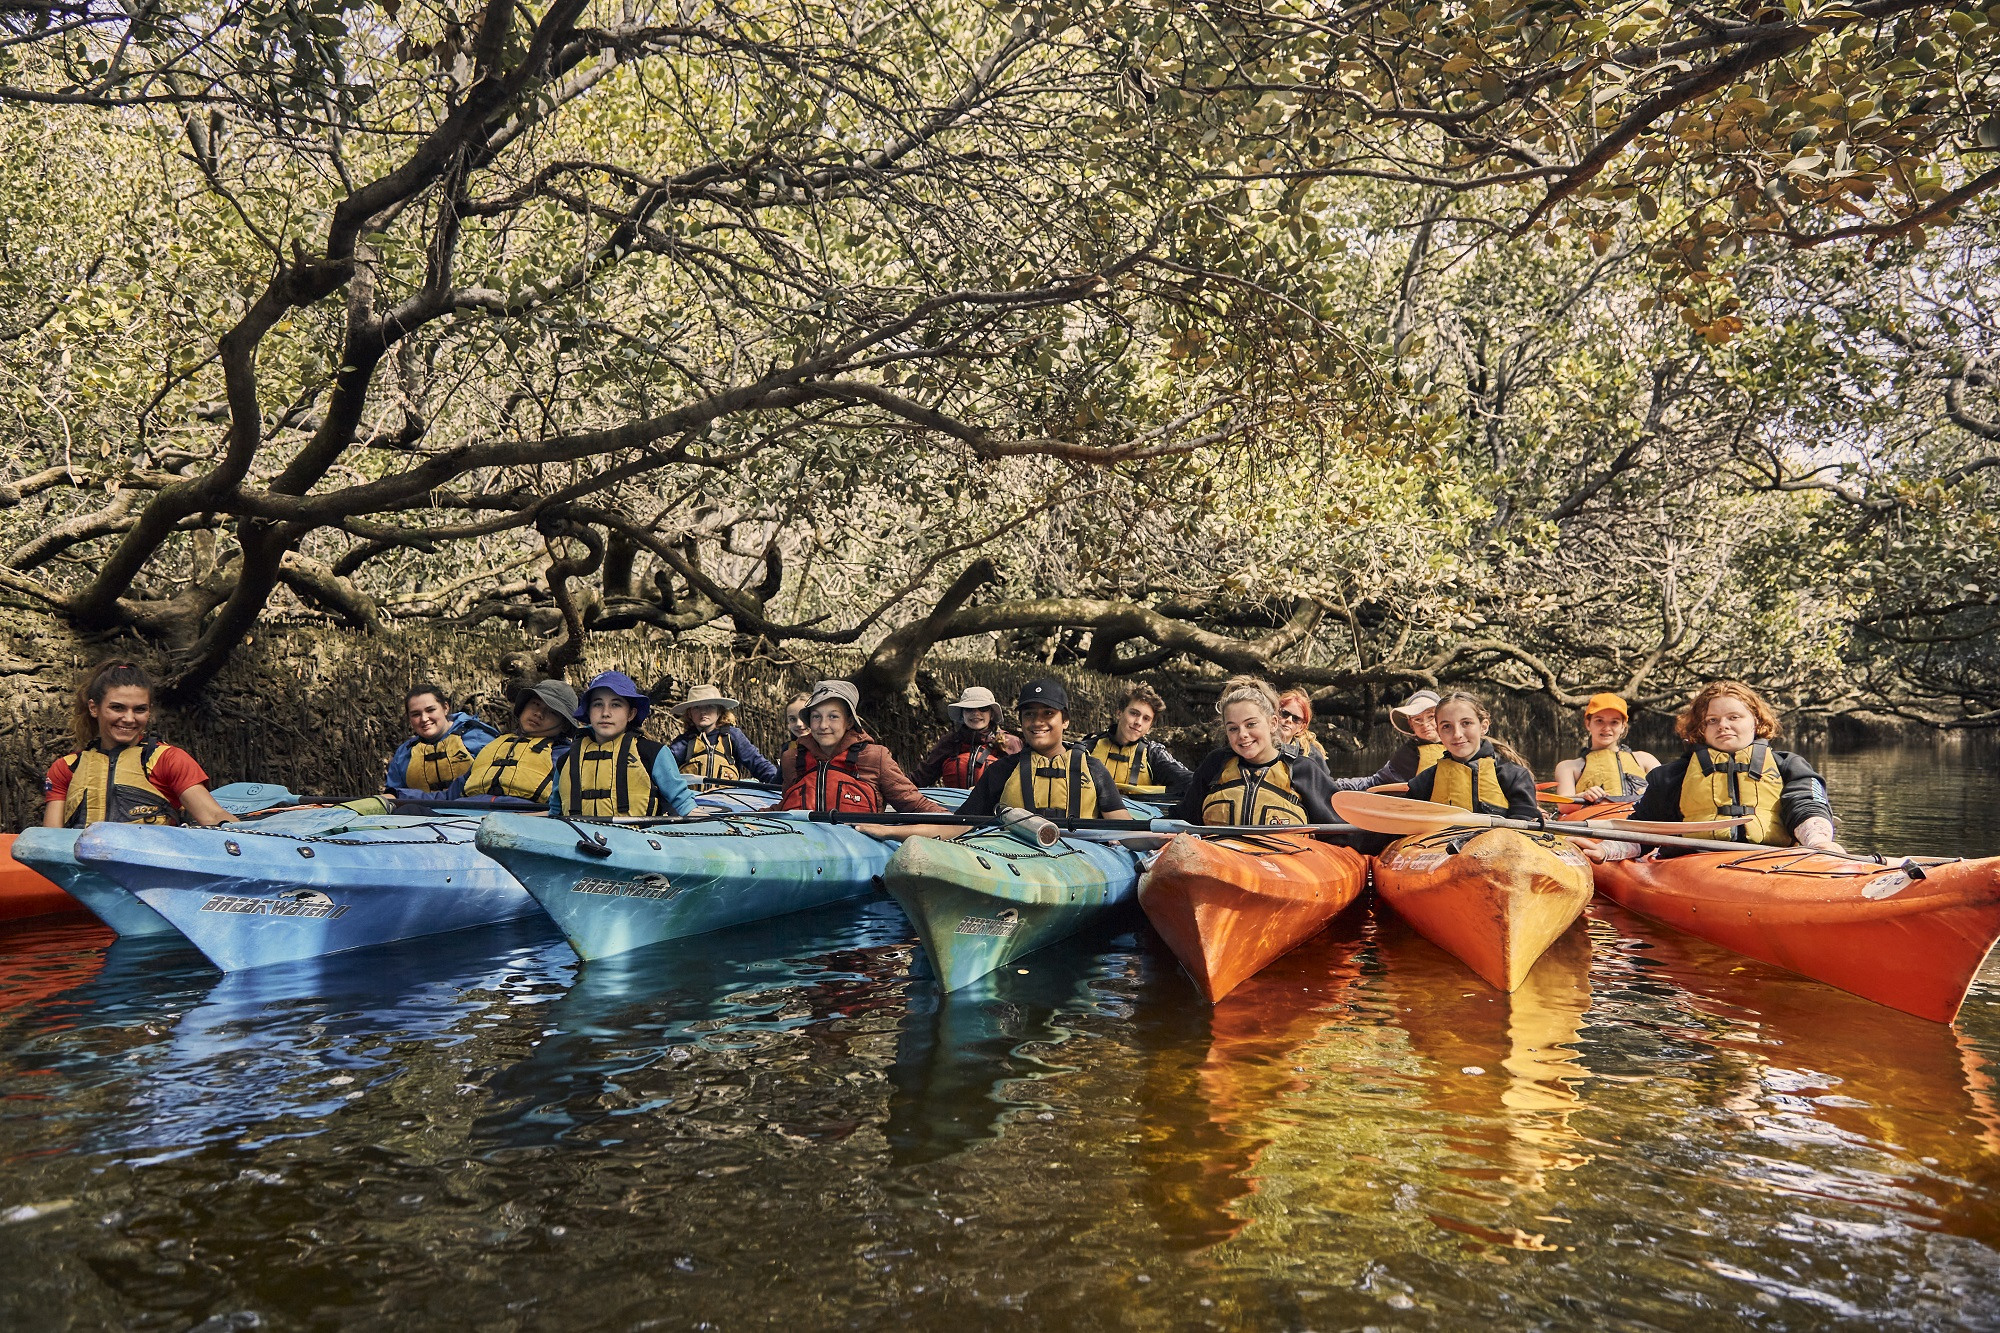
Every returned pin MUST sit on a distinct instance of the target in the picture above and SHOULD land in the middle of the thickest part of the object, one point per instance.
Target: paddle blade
(1401, 816)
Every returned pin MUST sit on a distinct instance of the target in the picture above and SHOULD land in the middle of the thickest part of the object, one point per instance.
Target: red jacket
(872, 764)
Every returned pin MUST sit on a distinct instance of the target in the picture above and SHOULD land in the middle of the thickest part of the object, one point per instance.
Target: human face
(427, 717)
(1730, 725)
(1251, 732)
(705, 718)
(977, 719)
(1291, 722)
(1134, 723)
(828, 723)
(123, 714)
(610, 716)
(1459, 727)
(1606, 727)
(538, 719)
(795, 721)
(1043, 727)
(1424, 725)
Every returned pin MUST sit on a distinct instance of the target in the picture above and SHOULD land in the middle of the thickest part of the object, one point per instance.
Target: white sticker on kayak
(645, 886)
(308, 903)
(1421, 861)
(987, 925)
(1886, 886)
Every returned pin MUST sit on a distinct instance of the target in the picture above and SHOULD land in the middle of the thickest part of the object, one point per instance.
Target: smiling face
(1135, 723)
(123, 714)
(1043, 728)
(795, 720)
(1606, 727)
(427, 717)
(1424, 725)
(705, 718)
(1251, 732)
(977, 719)
(1459, 728)
(539, 720)
(609, 715)
(828, 721)
(1730, 724)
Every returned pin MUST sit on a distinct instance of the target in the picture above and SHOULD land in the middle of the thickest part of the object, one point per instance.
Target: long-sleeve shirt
(465, 726)
(872, 763)
(746, 755)
(1401, 767)
(1802, 797)
(930, 769)
(660, 766)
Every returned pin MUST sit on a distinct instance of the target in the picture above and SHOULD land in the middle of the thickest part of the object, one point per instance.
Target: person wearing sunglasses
(1295, 715)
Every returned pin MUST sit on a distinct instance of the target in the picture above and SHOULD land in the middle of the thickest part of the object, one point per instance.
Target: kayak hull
(1879, 931)
(307, 884)
(25, 886)
(52, 852)
(1228, 907)
(666, 882)
(1495, 899)
(981, 901)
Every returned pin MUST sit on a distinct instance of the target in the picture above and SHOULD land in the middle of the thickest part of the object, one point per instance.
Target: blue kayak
(51, 852)
(665, 881)
(302, 883)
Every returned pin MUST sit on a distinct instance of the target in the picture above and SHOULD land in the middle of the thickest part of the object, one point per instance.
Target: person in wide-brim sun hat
(976, 739)
(711, 747)
(1415, 717)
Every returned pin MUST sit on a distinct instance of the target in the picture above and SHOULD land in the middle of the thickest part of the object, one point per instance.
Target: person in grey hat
(1416, 717)
(839, 767)
(974, 742)
(522, 763)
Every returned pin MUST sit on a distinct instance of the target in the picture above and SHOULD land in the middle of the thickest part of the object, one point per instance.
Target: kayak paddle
(1403, 817)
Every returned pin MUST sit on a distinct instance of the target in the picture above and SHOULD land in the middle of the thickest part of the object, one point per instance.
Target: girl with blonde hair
(1255, 777)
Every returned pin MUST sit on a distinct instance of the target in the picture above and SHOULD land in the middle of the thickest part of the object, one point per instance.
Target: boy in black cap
(1050, 777)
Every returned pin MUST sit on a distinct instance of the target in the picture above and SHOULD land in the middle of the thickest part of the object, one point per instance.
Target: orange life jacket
(964, 768)
(832, 784)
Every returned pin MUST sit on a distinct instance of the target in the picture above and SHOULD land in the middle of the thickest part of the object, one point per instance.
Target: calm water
(781, 1125)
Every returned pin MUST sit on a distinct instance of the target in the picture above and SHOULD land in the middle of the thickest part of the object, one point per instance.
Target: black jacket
(1803, 796)
(1310, 780)
(1516, 782)
(1173, 774)
(984, 798)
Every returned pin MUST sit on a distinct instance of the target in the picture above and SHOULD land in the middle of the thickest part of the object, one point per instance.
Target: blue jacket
(666, 774)
(747, 756)
(465, 726)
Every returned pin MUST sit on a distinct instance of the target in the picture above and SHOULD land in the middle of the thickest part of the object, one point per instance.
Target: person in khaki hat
(1608, 769)
(974, 742)
(711, 746)
(840, 767)
(1416, 717)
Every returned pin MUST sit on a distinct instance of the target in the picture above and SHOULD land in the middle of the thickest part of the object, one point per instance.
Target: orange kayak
(1496, 898)
(1909, 935)
(1229, 906)
(25, 893)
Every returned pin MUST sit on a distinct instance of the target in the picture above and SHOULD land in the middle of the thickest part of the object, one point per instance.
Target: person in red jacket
(117, 773)
(839, 766)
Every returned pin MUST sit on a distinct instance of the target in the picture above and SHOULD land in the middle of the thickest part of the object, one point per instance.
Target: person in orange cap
(1608, 770)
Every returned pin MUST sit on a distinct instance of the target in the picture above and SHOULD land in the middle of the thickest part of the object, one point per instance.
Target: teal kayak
(984, 899)
(665, 881)
(51, 852)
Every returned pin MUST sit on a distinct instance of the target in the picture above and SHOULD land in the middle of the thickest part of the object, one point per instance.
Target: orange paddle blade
(1402, 816)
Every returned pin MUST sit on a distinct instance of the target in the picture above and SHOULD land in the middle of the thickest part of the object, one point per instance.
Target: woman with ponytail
(117, 773)
(1475, 772)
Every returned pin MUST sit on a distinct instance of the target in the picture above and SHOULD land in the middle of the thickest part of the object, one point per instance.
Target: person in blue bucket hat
(612, 770)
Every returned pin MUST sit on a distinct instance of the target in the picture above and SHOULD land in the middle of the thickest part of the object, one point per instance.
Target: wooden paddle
(1403, 818)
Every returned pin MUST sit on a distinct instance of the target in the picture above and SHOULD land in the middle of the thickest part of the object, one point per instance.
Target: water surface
(787, 1124)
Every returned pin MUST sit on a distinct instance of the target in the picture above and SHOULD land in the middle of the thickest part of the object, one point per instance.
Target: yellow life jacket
(1129, 765)
(607, 779)
(514, 765)
(711, 756)
(1474, 786)
(1720, 785)
(1052, 788)
(1245, 794)
(435, 765)
(1428, 753)
(118, 789)
(1616, 770)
